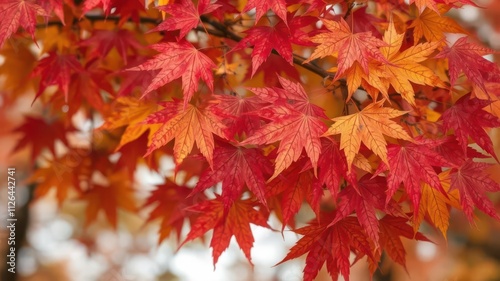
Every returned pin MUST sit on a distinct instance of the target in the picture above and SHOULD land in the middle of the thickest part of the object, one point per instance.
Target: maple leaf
(435, 204)
(452, 151)
(472, 183)
(41, 133)
(367, 126)
(115, 193)
(468, 118)
(296, 126)
(131, 153)
(178, 60)
(236, 167)
(391, 229)
(88, 85)
(235, 223)
(372, 83)
(56, 6)
(265, 39)
(237, 107)
(364, 199)
(422, 4)
(184, 15)
(170, 201)
(91, 4)
(332, 167)
(404, 67)
(295, 184)
(433, 25)
(331, 244)
(128, 9)
(130, 112)
(18, 13)
(467, 57)
(273, 67)
(349, 47)
(262, 6)
(433, 4)
(130, 80)
(56, 69)
(102, 41)
(187, 126)
(59, 174)
(411, 164)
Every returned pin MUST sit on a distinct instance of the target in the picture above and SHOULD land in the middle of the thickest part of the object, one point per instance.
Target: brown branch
(94, 18)
(219, 30)
(297, 59)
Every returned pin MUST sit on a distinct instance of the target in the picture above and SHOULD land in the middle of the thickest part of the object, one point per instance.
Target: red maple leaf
(472, 183)
(391, 229)
(56, 69)
(262, 6)
(184, 15)
(364, 200)
(332, 244)
(468, 57)
(295, 185)
(236, 167)
(130, 80)
(171, 201)
(351, 47)
(102, 41)
(468, 119)
(87, 85)
(333, 167)
(235, 223)
(18, 13)
(265, 39)
(179, 60)
(452, 151)
(41, 133)
(56, 6)
(91, 4)
(236, 107)
(411, 164)
(295, 122)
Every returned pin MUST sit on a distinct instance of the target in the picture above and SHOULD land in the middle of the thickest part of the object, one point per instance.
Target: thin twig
(297, 59)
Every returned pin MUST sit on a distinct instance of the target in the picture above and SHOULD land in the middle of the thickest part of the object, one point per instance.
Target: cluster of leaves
(362, 110)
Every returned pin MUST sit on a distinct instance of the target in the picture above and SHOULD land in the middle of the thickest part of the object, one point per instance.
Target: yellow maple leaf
(404, 67)
(433, 26)
(436, 205)
(368, 126)
(130, 112)
(187, 127)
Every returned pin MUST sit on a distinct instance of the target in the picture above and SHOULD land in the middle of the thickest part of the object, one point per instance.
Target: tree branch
(221, 30)
(297, 59)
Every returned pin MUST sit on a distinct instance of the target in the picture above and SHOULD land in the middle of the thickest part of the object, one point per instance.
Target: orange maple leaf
(187, 126)
(368, 126)
(179, 60)
(349, 47)
(117, 193)
(404, 66)
(436, 205)
(433, 25)
(130, 112)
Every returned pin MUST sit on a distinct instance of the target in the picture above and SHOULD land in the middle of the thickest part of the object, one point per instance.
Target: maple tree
(367, 113)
